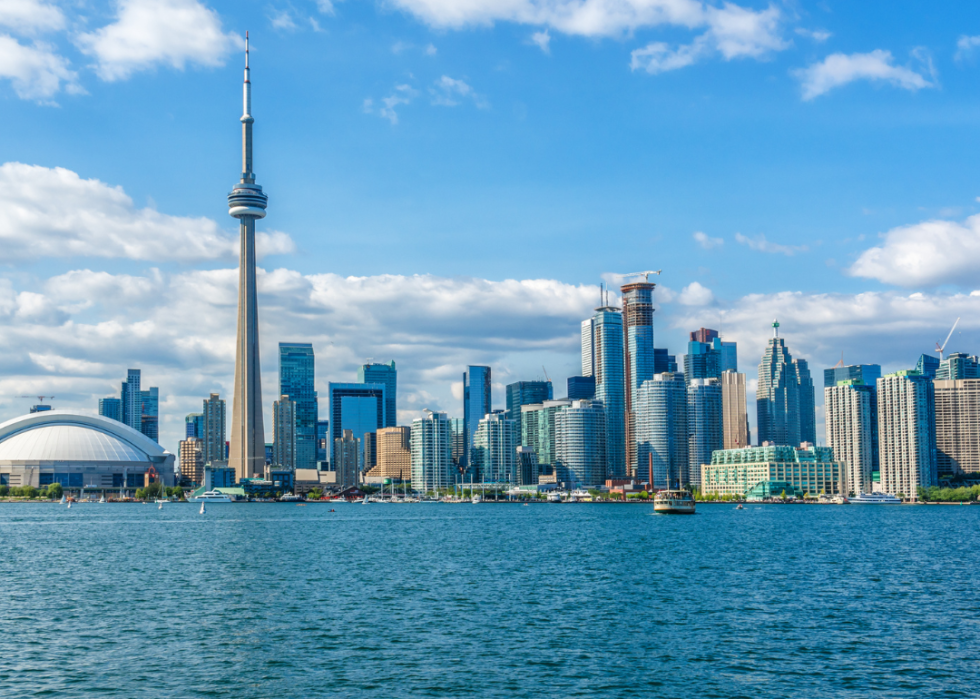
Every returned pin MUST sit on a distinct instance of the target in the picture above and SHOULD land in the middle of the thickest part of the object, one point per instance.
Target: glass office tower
(296, 378)
(476, 404)
(639, 362)
(387, 375)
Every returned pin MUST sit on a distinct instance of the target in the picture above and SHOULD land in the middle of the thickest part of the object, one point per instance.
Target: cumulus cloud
(148, 33)
(840, 69)
(694, 294)
(706, 241)
(35, 72)
(76, 333)
(817, 35)
(760, 244)
(30, 16)
(448, 91)
(53, 212)
(402, 94)
(730, 30)
(925, 254)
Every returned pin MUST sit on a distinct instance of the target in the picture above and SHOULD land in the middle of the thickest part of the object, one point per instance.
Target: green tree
(783, 495)
(178, 492)
(4, 491)
(55, 491)
(153, 491)
(140, 494)
(314, 494)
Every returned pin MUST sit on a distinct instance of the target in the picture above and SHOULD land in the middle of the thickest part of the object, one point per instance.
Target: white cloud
(840, 69)
(283, 20)
(447, 92)
(542, 40)
(52, 212)
(928, 253)
(431, 50)
(696, 295)
(760, 244)
(325, 7)
(75, 334)
(148, 33)
(36, 72)
(817, 35)
(706, 241)
(729, 30)
(965, 46)
(30, 16)
(403, 94)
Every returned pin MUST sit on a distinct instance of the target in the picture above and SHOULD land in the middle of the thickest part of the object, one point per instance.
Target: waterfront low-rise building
(735, 472)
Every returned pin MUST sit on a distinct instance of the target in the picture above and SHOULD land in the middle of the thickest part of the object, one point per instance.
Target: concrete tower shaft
(638, 360)
(247, 203)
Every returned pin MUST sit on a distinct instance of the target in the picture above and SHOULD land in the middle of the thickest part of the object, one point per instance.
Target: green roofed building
(772, 469)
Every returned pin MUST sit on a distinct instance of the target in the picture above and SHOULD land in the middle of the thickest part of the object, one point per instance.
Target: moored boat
(211, 496)
(875, 499)
(673, 502)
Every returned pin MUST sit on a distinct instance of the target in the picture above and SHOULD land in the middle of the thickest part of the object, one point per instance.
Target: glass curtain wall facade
(150, 413)
(132, 400)
(296, 380)
(111, 408)
(661, 432)
(358, 407)
(785, 398)
(609, 385)
(705, 427)
(580, 387)
(387, 375)
(284, 434)
(526, 393)
(580, 444)
(476, 404)
(432, 447)
(638, 364)
(958, 365)
(214, 429)
(538, 431)
(495, 450)
(868, 374)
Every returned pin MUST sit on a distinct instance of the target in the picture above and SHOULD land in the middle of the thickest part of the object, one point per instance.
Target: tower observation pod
(247, 203)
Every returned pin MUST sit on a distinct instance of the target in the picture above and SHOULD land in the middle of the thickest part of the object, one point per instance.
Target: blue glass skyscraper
(296, 379)
(476, 404)
(526, 393)
(639, 362)
(607, 324)
(707, 356)
(868, 374)
(358, 407)
(384, 374)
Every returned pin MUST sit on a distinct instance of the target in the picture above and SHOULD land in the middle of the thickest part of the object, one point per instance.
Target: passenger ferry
(212, 496)
(875, 499)
(554, 497)
(673, 502)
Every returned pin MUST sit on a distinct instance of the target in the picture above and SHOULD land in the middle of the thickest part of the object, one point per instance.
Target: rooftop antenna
(775, 328)
(941, 349)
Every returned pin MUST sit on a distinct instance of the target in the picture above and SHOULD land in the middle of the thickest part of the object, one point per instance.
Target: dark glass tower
(296, 379)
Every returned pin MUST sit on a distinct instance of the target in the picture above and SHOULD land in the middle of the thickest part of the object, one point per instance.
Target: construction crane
(40, 399)
(943, 348)
(546, 377)
(645, 275)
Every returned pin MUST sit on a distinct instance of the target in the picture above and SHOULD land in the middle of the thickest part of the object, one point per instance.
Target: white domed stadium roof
(56, 435)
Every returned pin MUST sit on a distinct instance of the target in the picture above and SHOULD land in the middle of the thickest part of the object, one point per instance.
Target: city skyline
(87, 302)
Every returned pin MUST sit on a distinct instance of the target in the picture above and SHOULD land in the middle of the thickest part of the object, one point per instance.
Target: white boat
(69, 504)
(673, 502)
(875, 499)
(159, 504)
(212, 496)
(102, 499)
(289, 497)
(476, 499)
(841, 500)
(203, 510)
(554, 497)
(63, 499)
(365, 501)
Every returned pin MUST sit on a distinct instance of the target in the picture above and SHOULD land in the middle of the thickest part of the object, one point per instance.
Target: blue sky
(450, 181)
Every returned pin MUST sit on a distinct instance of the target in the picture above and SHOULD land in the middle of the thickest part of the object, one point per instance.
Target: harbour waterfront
(276, 600)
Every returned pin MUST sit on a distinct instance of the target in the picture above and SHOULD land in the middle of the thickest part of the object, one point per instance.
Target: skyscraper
(734, 412)
(431, 452)
(727, 356)
(191, 460)
(784, 399)
(958, 365)
(132, 400)
(476, 404)
(346, 459)
(394, 453)
(150, 413)
(525, 393)
(194, 425)
(322, 441)
(580, 442)
(538, 430)
(664, 363)
(704, 425)
(609, 385)
(214, 430)
(384, 374)
(868, 374)
(370, 448)
(588, 347)
(358, 407)
(495, 449)
(111, 408)
(927, 365)
(906, 433)
(662, 431)
(296, 380)
(638, 364)
(580, 387)
(247, 202)
(458, 427)
(285, 442)
(957, 427)
(851, 418)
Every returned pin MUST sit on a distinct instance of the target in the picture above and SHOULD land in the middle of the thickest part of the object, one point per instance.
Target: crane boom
(943, 348)
(645, 275)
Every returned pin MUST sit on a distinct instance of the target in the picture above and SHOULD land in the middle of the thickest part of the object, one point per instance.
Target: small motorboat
(739, 507)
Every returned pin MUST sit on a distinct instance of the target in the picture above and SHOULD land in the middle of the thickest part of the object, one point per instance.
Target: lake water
(496, 600)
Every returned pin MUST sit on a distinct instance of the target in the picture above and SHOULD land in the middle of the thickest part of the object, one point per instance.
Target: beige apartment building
(734, 414)
(958, 426)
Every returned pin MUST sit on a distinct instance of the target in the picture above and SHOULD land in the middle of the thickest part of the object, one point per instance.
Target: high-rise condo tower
(247, 203)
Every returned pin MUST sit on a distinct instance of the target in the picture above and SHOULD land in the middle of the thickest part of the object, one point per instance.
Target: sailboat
(102, 499)
(69, 504)
(202, 508)
(63, 499)
(159, 504)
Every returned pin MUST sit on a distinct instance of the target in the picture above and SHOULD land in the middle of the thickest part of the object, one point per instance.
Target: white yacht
(290, 497)
(554, 497)
(673, 502)
(212, 496)
(476, 499)
(875, 499)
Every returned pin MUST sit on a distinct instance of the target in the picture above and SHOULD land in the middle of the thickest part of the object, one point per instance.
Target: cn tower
(247, 203)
